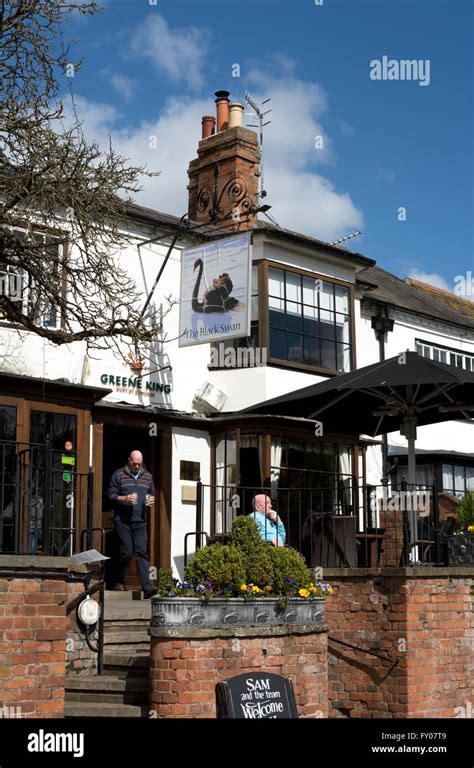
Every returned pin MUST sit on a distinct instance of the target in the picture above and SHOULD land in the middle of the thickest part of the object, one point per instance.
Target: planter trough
(234, 611)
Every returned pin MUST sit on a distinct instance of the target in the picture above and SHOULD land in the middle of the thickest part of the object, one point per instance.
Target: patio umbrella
(400, 393)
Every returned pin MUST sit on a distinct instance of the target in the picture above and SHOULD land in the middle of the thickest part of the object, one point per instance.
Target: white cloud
(178, 53)
(308, 203)
(301, 198)
(289, 140)
(176, 132)
(125, 86)
(431, 278)
(97, 119)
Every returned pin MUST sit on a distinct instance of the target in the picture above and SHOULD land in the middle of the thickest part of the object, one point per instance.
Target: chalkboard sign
(256, 696)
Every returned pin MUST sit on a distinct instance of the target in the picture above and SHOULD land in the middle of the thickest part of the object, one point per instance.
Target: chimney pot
(208, 126)
(222, 102)
(236, 115)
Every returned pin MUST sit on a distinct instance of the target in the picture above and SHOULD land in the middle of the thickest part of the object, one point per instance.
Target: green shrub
(289, 569)
(466, 510)
(254, 550)
(247, 567)
(245, 535)
(166, 582)
(218, 564)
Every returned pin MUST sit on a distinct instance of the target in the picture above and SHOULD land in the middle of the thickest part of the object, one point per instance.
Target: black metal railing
(346, 525)
(41, 499)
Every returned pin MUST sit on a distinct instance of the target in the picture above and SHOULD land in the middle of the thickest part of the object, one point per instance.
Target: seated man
(269, 524)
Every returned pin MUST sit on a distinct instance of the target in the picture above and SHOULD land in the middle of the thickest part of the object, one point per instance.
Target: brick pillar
(33, 599)
(186, 664)
(393, 540)
(417, 626)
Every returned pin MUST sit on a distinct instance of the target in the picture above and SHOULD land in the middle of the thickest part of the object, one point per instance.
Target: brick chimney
(223, 180)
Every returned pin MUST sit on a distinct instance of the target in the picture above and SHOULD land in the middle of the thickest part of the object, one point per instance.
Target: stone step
(126, 624)
(96, 709)
(123, 648)
(105, 683)
(131, 594)
(132, 635)
(123, 664)
(108, 689)
(137, 673)
(127, 612)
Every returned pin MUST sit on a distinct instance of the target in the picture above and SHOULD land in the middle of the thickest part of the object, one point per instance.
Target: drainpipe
(382, 324)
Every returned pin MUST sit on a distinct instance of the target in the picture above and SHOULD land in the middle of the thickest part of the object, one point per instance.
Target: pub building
(69, 419)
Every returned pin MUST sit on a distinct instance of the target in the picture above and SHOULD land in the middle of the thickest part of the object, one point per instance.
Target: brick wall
(421, 622)
(184, 670)
(33, 599)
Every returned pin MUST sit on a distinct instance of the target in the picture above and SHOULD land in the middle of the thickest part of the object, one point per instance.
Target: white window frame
(20, 289)
(452, 356)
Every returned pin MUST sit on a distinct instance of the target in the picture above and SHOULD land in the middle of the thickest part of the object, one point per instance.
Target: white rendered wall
(29, 355)
(188, 445)
(189, 365)
(247, 386)
(448, 436)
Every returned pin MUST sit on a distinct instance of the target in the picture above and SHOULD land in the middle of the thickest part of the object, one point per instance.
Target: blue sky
(151, 71)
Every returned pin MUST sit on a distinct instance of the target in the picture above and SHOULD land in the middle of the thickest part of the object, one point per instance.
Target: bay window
(299, 320)
(309, 320)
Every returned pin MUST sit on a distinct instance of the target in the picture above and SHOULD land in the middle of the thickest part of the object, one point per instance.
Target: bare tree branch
(62, 200)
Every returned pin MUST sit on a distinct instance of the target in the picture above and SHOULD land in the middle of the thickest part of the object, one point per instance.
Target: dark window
(7, 476)
(189, 470)
(309, 320)
(324, 468)
(53, 429)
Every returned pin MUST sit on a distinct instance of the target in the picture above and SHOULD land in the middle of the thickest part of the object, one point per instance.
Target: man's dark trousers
(133, 536)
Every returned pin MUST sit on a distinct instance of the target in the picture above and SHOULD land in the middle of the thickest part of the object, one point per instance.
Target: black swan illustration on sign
(217, 297)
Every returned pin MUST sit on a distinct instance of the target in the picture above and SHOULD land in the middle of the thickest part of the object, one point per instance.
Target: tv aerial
(260, 112)
(347, 237)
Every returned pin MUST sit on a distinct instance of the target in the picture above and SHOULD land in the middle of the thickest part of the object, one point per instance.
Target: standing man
(269, 525)
(131, 490)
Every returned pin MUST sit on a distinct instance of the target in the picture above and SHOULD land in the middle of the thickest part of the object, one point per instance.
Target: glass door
(8, 477)
(53, 482)
(226, 501)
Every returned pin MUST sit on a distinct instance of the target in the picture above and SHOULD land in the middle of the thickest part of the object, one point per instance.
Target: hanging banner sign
(215, 291)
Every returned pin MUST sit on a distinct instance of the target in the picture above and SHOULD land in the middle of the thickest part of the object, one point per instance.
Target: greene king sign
(135, 384)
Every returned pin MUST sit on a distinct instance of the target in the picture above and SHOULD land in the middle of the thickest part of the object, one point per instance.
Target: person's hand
(150, 500)
(131, 498)
(273, 515)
